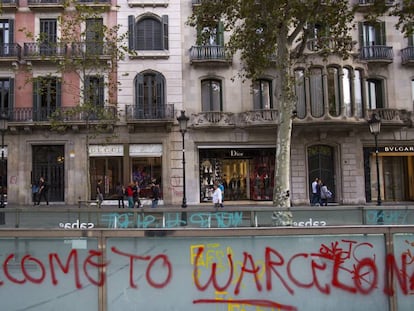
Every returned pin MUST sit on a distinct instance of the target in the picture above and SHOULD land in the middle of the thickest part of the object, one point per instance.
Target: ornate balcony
(392, 116)
(9, 5)
(213, 54)
(10, 51)
(137, 117)
(144, 3)
(214, 118)
(90, 49)
(45, 4)
(407, 56)
(377, 54)
(41, 51)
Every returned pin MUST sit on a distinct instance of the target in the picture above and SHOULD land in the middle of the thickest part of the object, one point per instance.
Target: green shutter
(380, 34)
(58, 93)
(411, 40)
(11, 30)
(11, 98)
(220, 34)
(164, 31)
(361, 34)
(139, 90)
(101, 92)
(131, 32)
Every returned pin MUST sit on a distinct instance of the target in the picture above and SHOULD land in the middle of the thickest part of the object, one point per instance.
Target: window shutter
(101, 92)
(220, 34)
(131, 32)
(159, 82)
(58, 93)
(11, 98)
(11, 30)
(361, 34)
(139, 90)
(410, 40)
(380, 34)
(165, 31)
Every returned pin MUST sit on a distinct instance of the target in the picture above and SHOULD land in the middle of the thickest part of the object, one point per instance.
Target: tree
(85, 57)
(274, 34)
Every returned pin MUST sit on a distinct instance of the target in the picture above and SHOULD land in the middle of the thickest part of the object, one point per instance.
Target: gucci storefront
(246, 173)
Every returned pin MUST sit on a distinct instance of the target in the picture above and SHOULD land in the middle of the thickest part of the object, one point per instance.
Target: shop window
(300, 90)
(375, 91)
(334, 91)
(46, 97)
(149, 95)
(316, 92)
(262, 94)
(6, 95)
(144, 171)
(211, 95)
(109, 170)
(148, 33)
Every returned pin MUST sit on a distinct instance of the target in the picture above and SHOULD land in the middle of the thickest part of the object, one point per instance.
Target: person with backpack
(326, 194)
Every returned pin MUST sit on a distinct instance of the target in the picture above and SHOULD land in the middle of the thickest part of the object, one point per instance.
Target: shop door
(321, 165)
(397, 177)
(49, 162)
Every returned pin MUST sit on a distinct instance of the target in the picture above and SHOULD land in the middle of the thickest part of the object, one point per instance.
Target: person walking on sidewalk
(120, 194)
(43, 191)
(99, 193)
(217, 196)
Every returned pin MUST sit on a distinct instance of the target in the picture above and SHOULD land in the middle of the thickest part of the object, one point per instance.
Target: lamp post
(3, 128)
(375, 128)
(182, 121)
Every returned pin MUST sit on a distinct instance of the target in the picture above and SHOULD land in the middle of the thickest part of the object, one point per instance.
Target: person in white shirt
(217, 196)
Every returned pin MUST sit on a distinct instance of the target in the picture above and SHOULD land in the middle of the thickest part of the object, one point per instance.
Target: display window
(107, 169)
(246, 174)
(145, 170)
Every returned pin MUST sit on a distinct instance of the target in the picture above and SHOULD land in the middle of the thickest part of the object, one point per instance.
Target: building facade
(231, 134)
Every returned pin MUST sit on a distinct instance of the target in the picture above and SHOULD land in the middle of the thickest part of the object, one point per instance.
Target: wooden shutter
(220, 34)
(58, 93)
(380, 34)
(164, 30)
(131, 33)
(411, 40)
(11, 30)
(139, 90)
(361, 34)
(11, 98)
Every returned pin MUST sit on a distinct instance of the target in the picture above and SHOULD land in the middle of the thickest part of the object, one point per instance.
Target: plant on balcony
(272, 35)
(86, 70)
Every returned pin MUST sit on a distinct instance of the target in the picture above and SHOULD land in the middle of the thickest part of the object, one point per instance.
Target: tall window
(300, 89)
(376, 96)
(148, 33)
(316, 92)
(94, 91)
(6, 36)
(46, 97)
(211, 95)
(149, 95)
(6, 95)
(334, 91)
(262, 94)
(94, 36)
(347, 91)
(48, 36)
(359, 107)
(211, 36)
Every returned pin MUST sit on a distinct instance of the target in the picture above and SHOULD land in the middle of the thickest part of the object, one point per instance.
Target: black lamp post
(3, 128)
(182, 121)
(375, 128)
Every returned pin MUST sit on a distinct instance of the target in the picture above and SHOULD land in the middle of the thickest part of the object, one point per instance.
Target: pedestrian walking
(99, 193)
(217, 196)
(326, 194)
(129, 192)
(155, 189)
(120, 194)
(43, 189)
(315, 200)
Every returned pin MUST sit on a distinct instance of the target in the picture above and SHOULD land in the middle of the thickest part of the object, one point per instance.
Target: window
(48, 36)
(412, 91)
(46, 97)
(375, 90)
(316, 92)
(94, 36)
(359, 107)
(94, 91)
(6, 36)
(6, 95)
(211, 95)
(148, 33)
(211, 36)
(372, 34)
(262, 94)
(347, 91)
(300, 90)
(149, 95)
(334, 91)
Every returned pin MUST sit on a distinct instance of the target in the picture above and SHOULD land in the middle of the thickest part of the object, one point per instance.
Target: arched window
(334, 92)
(300, 90)
(316, 92)
(148, 33)
(211, 95)
(149, 95)
(262, 94)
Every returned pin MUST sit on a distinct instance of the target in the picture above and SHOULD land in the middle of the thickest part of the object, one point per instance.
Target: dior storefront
(246, 173)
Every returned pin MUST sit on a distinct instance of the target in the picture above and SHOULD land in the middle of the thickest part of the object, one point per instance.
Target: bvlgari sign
(398, 149)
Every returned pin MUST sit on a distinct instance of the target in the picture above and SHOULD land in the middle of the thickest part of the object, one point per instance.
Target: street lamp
(3, 128)
(182, 121)
(375, 128)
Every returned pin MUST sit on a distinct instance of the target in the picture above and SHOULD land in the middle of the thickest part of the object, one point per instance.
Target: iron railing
(407, 54)
(36, 49)
(377, 52)
(10, 50)
(208, 52)
(161, 112)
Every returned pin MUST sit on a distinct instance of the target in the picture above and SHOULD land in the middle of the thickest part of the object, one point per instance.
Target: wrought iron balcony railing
(10, 50)
(208, 53)
(37, 2)
(407, 55)
(165, 112)
(44, 50)
(90, 49)
(377, 53)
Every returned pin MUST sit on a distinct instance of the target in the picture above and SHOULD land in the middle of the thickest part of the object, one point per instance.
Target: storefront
(246, 173)
(396, 173)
